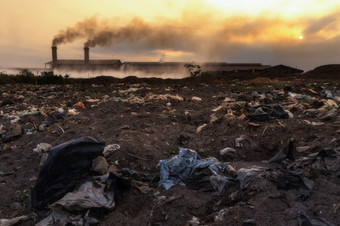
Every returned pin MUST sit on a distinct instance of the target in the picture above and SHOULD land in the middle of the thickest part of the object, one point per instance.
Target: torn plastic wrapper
(64, 218)
(265, 113)
(288, 152)
(248, 176)
(286, 179)
(326, 162)
(98, 193)
(67, 166)
(183, 166)
(311, 220)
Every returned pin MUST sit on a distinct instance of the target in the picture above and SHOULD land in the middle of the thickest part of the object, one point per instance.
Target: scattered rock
(228, 152)
(244, 141)
(34, 178)
(15, 206)
(14, 132)
(41, 128)
(5, 95)
(100, 165)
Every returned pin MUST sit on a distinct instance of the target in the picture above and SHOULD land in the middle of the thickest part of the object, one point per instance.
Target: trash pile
(236, 153)
(76, 177)
(283, 170)
(185, 167)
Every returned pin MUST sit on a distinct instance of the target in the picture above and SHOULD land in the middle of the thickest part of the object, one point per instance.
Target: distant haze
(164, 30)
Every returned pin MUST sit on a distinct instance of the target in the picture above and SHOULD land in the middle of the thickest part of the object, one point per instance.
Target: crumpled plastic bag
(265, 113)
(310, 220)
(286, 179)
(326, 162)
(288, 152)
(175, 170)
(91, 194)
(67, 166)
(248, 176)
(64, 218)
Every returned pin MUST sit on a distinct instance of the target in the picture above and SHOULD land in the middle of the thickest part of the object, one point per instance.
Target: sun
(301, 37)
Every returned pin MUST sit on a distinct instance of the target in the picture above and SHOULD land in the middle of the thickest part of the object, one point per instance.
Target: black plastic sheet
(67, 166)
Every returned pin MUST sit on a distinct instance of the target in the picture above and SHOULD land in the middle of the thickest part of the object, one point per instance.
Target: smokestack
(86, 55)
(54, 57)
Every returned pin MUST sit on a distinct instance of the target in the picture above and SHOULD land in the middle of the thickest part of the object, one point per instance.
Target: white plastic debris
(12, 221)
(244, 141)
(196, 98)
(60, 110)
(93, 100)
(88, 195)
(290, 114)
(72, 111)
(199, 129)
(313, 123)
(110, 149)
(42, 148)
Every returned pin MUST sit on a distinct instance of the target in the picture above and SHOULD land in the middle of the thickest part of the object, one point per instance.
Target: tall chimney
(86, 55)
(54, 57)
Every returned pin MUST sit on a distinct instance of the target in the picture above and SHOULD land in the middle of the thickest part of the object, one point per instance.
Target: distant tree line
(25, 76)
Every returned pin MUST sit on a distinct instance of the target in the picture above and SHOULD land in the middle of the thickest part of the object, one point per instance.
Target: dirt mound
(330, 71)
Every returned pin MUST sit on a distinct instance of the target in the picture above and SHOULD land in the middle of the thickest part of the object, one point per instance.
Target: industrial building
(147, 67)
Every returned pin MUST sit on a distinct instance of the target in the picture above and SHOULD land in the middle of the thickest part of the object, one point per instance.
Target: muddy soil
(150, 121)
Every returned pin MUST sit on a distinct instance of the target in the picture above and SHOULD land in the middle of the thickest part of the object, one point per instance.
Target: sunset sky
(298, 33)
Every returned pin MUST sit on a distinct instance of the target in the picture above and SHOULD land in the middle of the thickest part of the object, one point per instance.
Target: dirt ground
(151, 119)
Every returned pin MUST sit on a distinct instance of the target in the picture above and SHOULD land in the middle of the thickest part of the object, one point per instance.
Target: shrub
(4, 78)
(193, 69)
(48, 77)
(25, 76)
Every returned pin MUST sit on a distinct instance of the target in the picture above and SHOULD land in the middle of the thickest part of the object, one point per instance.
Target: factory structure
(87, 64)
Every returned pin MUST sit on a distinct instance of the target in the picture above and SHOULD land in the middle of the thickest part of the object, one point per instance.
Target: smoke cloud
(211, 35)
(107, 33)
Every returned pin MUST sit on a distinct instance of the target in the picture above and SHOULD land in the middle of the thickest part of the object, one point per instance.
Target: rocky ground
(149, 121)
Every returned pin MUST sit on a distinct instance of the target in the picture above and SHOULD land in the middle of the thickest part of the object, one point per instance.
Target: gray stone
(228, 152)
(15, 206)
(41, 128)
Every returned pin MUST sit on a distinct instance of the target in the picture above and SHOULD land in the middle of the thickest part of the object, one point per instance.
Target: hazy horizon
(302, 34)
